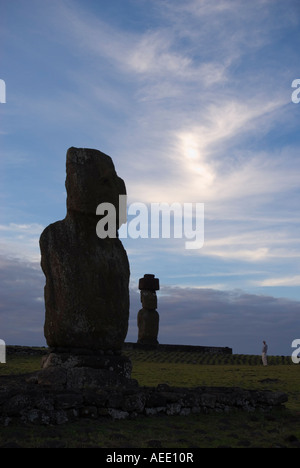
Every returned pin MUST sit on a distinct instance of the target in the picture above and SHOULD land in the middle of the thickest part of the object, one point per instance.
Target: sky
(193, 101)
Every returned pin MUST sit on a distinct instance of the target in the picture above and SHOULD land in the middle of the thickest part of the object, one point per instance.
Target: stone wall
(26, 350)
(23, 399)
(47, 397)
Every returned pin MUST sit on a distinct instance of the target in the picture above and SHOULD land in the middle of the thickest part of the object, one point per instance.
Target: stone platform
(82, 368)
(73, 385)
(180, 348)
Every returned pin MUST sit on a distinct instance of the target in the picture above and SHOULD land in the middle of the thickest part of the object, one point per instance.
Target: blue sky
(192, 100)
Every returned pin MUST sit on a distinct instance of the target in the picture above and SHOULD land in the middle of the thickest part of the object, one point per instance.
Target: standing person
(264, 353)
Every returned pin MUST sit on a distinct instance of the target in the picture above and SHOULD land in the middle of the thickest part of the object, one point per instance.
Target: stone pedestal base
(81, 371)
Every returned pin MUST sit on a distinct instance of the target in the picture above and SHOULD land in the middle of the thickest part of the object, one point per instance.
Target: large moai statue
(148, 317)
(87, 278)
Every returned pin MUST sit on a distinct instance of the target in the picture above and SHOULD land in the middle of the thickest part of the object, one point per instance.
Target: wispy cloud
(283, 281)
(253, 245)
(21, 241)
(22, 312)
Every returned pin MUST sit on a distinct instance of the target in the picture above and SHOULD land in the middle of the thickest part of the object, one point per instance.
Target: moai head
(148, 285)
(91, 180)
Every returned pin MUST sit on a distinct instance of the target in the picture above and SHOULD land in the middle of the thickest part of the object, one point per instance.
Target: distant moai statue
(148, 317)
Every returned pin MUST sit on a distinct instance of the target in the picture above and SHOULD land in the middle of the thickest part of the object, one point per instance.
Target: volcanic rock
(87, 278)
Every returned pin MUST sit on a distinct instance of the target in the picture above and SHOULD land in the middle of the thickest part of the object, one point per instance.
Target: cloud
(283, 281)
(152, 56)
(251, 244)
(21, 241)
(162, 82)
(192, 101)
(188, 315)
(21, 305)
(222, 318)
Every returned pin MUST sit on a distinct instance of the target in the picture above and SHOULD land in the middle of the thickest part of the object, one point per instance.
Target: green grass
(280, 377)
(20, 364)
(277, 429)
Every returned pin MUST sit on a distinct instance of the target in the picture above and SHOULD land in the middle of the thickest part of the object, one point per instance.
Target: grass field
(237, 430)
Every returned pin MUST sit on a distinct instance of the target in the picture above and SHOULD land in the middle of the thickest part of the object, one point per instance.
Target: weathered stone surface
(87, 278)
(59, 394)
(95, 398)
(91, 179)
(149, 299)
(119, 364)
(148, 325)
(148, 317)
(149, 282)
(86, 377)
(55, 377)
(79, 378)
